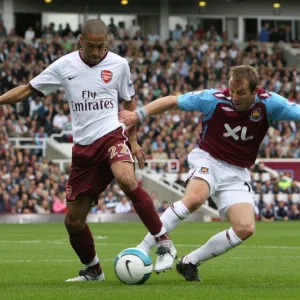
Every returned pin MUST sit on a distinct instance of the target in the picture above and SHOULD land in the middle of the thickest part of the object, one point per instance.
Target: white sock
(215, 246)
(171, 218)
(93, 262)
(162, 231)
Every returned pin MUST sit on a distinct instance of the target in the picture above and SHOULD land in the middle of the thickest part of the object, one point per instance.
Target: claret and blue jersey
(234, 136)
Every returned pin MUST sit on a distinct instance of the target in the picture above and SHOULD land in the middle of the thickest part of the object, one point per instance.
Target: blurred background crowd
(192, 59)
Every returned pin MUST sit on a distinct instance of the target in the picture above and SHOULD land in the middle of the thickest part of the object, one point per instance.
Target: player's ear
(80, 39)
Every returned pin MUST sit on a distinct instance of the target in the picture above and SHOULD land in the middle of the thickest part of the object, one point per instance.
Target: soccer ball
(133, 266)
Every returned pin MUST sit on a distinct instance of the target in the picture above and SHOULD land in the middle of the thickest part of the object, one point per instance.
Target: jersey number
(120, 150)
(233, 132)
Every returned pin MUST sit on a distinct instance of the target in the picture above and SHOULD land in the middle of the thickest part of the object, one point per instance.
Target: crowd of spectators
(191, 60)
(276, 198)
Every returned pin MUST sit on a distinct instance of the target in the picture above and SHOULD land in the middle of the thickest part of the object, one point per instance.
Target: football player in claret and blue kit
(235, 121)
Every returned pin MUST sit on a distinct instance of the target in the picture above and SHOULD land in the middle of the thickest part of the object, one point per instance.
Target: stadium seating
(193, 65)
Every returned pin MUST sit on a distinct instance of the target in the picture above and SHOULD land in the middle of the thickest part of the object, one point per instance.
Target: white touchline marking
(100, 237)
(260, 257)
(65, 241)
(47, 260)
(111, 259)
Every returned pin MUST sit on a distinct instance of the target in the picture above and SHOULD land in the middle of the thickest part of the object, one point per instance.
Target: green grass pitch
(35, 259)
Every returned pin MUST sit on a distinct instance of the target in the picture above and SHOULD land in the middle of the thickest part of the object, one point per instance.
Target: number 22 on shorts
(119, 149)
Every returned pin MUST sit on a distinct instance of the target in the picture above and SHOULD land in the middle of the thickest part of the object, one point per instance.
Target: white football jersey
(92, 92)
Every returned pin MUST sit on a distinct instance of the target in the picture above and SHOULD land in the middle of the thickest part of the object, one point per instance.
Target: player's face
(241, 95)
(94, 47)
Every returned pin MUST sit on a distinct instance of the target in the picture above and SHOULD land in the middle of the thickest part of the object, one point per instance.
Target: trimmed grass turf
(36, 259)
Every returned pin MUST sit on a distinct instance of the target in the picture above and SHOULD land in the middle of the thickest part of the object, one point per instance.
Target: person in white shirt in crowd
(29, 34)
(123, 207)
(59, 120)
(133, 29)
(153, 36)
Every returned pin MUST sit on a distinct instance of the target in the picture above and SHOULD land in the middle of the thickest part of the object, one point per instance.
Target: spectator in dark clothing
(163, 207)
(281, 212)
(251, 46)
(264, 35)
(294, 213)
(112, 27)
(67, 30)
(267, 213)
(275, 35)
(294, 188)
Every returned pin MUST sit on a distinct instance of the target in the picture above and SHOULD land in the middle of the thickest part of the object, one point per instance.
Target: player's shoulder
(263, 94)
(221, 94)
(68, 59)
(70, 56)
(116, 58)
(271, 99)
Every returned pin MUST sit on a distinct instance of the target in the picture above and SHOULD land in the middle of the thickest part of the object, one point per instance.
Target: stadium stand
(191, 59)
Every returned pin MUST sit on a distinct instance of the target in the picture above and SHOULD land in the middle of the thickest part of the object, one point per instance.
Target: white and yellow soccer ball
(133, 266)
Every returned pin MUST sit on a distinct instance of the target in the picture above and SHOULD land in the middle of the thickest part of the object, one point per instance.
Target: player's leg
(200, 186)
(242, 219)
(82, 240)
(83, 187)
(196, 193)
(236, 203)
(123, 172)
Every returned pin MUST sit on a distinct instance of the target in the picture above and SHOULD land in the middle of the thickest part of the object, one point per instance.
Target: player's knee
(127, 182)
(193, 202)
(74, 224)
(244, 230)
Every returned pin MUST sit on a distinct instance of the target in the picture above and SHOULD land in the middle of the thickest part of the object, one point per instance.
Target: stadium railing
(59, 135)
(30, 143)
(173, 165)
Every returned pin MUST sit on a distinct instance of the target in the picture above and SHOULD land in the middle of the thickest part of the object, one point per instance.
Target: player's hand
(138, 152)
(128, 117)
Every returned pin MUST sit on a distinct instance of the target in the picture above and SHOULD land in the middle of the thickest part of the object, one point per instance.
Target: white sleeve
(126, 86)
(48, 81)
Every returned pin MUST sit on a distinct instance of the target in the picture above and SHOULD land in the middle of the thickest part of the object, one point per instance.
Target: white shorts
(229, 184)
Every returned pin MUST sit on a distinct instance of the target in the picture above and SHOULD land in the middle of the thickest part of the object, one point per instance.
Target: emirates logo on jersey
(106, 76)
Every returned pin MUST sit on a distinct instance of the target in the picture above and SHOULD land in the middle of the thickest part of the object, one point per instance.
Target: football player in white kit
(93, 79)
(235, 121)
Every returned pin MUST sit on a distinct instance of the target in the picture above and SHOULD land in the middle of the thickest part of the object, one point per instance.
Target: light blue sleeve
(203, 101)
(280, 109)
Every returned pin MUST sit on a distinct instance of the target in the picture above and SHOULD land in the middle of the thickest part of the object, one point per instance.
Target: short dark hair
(95, 26)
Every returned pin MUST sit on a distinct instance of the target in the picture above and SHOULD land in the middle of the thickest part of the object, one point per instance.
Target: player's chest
(90, 79)
(239, 126)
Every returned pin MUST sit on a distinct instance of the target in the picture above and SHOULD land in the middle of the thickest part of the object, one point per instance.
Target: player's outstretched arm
(155, 107)
(16, 95)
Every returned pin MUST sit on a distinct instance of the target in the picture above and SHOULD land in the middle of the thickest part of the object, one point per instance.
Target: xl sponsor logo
(233, 133)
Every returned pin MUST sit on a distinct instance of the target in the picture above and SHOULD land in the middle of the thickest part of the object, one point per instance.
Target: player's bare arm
(136, 150)
(156, 107)
(16, 95)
